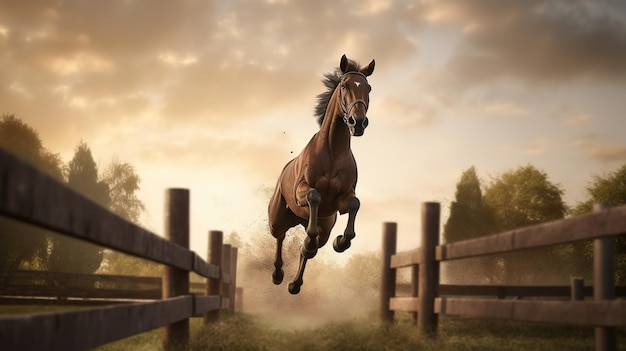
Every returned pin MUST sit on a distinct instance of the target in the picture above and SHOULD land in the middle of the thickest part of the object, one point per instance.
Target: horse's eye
(343, 87)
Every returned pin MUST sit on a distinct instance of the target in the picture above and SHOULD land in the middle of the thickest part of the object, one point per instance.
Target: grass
(246, 333)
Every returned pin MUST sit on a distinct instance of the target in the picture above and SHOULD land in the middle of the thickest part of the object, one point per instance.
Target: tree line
(114, 187)
(522, 197)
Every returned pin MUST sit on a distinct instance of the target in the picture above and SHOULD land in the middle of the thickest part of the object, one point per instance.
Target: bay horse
(321, 180)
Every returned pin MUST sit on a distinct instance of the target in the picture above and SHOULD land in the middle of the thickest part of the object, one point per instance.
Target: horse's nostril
(351, 121)
(365, 123)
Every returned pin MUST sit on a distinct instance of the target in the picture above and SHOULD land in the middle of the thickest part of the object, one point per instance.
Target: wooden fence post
(225, 287)
(415, 279)
(388, 284)
(604, 284)
(428, 288)
(175, 280)
(216, 240)
(578, 289)
(233, 277)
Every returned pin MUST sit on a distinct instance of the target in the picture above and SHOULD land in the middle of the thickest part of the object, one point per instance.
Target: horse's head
(354, 95)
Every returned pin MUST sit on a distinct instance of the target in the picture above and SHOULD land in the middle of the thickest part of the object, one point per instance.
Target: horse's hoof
(277, 276)
(294, 288)
(341, 245)
(308, 254)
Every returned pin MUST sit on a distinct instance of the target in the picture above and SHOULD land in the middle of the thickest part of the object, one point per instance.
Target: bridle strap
(346, 110)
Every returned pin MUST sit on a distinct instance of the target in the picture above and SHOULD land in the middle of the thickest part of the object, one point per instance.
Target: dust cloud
(331, 291)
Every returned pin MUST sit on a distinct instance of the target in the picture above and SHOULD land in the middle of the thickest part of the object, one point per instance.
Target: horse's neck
(334, 134)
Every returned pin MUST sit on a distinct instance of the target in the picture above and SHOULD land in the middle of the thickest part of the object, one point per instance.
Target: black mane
(330, 81)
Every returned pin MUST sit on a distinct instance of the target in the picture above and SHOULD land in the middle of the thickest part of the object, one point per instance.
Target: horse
(320, 182)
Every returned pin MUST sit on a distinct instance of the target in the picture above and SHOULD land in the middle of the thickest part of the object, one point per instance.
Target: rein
(347, 119)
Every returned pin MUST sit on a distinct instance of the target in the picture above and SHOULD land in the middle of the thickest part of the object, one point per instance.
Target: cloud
(196, 62)
(534, 41)
(603, 152)
(506, 109)
(579, 120)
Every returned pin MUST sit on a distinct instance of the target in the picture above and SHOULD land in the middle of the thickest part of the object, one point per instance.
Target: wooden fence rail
(33, 197)
(429, 298)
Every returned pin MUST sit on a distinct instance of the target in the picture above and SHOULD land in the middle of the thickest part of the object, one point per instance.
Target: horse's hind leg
(342, 242)
(311, 242)
(280, 220)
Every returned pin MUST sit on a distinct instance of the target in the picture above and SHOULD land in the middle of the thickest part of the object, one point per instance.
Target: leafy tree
(69, 254)
(524, 197)
(520, 198)
(20, 244)
(611, 190)
(24, 141)
(123, 183)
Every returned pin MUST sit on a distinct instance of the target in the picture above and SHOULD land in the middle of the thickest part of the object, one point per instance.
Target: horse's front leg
(294, 286)
(311, 242)
(342, 242)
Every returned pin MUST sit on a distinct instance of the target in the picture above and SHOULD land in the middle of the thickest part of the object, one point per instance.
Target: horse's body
(321, 181)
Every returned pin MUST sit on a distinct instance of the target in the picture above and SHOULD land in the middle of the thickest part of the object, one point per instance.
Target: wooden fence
(30, 196)
(430, 299)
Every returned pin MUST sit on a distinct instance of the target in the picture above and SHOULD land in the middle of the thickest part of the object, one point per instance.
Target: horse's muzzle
(357, 125)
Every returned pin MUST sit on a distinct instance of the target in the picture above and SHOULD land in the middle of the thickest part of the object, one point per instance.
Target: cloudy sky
(216, 96)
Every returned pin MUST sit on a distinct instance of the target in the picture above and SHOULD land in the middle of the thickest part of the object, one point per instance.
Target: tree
(524, 197)
(24, 141)
(69, 254)
(123, 183)
(520, 198)
(611, 190)
(21, 244)
(469, 217)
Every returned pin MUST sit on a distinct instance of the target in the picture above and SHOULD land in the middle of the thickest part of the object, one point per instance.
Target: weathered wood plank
(100, 286)
(406, 258)
(585, 313)
(408, 304)
(59, 278)
(92, 293)
(204, 304)
(204, 269)
(588, 226)
(85, 329)
(30, 195)
(27, 194)
(509, 290)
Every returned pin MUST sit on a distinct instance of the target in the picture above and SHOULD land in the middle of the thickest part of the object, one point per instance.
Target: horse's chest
(335, 180)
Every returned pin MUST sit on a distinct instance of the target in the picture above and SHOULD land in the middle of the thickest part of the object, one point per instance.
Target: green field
(241, 332)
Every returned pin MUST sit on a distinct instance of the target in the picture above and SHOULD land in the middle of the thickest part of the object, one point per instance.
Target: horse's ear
(369, 69)
(343, 65)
